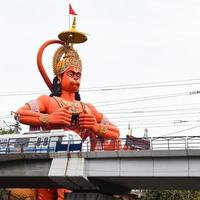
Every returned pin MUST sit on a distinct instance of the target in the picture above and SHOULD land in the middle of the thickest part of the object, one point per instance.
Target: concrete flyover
(114, 172)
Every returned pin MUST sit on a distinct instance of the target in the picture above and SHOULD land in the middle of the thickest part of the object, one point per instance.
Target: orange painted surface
(59, 114)
(61, 192)
(23, 193)
(55, 112)
(46, 194)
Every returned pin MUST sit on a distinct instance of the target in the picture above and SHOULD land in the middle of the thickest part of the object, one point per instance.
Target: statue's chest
(74, 106)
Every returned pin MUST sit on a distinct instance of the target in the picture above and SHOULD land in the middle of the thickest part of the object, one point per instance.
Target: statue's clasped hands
(61, 116)
(87, 120)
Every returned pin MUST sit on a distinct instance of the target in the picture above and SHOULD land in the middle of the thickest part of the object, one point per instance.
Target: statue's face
(71, 79)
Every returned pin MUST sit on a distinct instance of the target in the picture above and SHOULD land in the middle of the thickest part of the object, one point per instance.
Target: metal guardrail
(175, 142)
(124, 144)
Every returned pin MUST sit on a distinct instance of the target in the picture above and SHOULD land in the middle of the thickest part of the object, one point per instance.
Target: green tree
(4, 131)
(171, 195)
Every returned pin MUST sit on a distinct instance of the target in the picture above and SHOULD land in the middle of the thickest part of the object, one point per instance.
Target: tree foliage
(4, 131)
(171, 195)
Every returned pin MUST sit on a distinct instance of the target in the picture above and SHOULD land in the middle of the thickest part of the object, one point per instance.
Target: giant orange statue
(63, 109)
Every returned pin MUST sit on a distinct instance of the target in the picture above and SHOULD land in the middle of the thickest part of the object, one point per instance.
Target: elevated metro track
(115, 172)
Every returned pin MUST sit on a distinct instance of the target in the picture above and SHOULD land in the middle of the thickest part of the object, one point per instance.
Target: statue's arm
(32, 112)
(98, 124)
(41, 116)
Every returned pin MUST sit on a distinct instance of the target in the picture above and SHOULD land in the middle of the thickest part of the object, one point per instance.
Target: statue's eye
(78, 75)
(70, 74)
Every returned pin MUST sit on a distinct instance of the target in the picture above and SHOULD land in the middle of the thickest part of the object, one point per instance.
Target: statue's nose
(76, 78)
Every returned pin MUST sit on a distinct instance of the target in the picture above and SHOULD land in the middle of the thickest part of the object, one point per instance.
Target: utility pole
(16, 126)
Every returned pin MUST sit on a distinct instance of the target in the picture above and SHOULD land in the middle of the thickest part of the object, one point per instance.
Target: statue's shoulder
(44, 101)
(44, 98)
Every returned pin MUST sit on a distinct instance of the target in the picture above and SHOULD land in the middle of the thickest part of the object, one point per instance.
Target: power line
(158, 115)
(148, 98)
(180, 131)
(20, 94)
(150, 111)
(149, 107)
(139, 84)
(135, 108)
(6, 117)
(135, 87)
(127, 120)
(111, 87)
(156, 126)
(140, 112)
(136, 122)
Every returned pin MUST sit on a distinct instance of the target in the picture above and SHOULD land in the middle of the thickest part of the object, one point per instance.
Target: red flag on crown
(71, 11)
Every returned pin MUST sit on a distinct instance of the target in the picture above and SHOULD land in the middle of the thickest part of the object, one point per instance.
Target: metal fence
(123, 144)
(175, 143)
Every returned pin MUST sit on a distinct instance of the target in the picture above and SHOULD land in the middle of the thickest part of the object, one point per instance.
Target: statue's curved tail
(40, 64)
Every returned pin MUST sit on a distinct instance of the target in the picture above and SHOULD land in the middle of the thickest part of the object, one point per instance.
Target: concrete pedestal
(87, 196)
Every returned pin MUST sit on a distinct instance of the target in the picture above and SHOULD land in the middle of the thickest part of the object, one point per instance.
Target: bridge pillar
(87, 196)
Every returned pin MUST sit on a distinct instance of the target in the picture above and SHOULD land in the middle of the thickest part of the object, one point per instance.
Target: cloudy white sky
(129, 43)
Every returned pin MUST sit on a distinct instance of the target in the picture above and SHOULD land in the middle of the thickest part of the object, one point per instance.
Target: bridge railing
(154, 143)
(124, 144)
(175, 142)
(168, 143)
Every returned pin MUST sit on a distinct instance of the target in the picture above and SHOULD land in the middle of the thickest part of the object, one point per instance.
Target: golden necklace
(74, 106)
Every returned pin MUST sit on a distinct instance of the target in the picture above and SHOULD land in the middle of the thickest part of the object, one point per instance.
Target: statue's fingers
(86, 123)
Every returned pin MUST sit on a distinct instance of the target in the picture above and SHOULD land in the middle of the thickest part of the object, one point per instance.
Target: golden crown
(65, 57)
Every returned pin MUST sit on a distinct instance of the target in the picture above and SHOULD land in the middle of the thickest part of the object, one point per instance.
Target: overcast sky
(129, 42)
